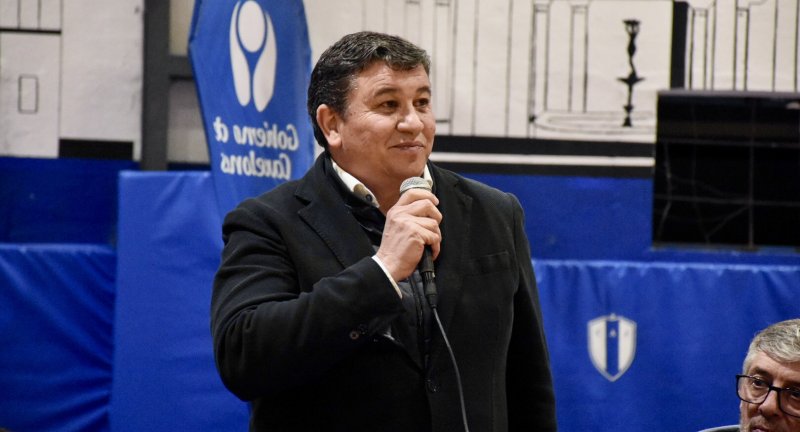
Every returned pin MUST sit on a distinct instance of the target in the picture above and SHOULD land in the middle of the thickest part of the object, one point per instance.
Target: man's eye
(421, 103)
(759, 383)
(793, 395)
(389, 104)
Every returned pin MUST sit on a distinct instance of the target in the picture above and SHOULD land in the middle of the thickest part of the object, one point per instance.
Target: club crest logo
(612, 345)
(252, 39)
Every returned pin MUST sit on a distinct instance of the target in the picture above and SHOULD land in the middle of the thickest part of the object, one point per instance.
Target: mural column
(579, 46)
(701, 44)
(785, 53)
(413, 21)
(537, 102)
(442, 57)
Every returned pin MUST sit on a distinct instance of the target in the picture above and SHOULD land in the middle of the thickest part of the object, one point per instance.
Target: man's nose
(770, 406)
(410, 121)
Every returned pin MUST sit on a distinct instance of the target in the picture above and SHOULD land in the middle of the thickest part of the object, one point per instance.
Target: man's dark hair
(340, 64)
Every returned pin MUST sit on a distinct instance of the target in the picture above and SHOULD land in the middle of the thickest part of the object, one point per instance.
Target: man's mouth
(409, 146)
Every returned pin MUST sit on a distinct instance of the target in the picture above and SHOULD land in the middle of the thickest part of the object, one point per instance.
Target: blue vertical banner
(252, 62)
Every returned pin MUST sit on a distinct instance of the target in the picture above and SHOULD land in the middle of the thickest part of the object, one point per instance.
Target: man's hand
(411, 223)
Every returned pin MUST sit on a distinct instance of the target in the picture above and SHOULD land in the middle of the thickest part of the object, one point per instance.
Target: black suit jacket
(298, 307)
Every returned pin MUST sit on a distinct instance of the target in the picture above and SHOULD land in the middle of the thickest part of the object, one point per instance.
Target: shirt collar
(361, 191)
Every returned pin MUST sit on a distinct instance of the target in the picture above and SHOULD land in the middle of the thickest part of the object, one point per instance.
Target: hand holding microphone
(411, 230)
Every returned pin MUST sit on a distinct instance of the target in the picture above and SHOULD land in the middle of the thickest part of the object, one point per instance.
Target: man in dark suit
(320, 315)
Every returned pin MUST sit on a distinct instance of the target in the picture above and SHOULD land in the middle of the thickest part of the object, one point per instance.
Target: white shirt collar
(361, 191)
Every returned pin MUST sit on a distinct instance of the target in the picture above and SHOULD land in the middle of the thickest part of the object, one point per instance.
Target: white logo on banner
(612, 345)
(252, 31)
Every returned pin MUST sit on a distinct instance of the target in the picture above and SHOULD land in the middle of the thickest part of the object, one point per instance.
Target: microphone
(429, 288)
(426, 263)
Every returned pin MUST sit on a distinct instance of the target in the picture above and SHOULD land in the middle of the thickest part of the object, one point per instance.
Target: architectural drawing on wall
(550, 68)
(539, 69)
(28, 94)
(70, 75)
(743, 45)
(30, 15)
(30, 47)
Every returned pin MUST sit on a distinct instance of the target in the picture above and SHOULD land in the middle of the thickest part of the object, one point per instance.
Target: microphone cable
(455, 367)
(429, 288)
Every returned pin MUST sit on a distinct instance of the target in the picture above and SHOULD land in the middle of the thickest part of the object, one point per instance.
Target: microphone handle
(428, 275)
(426, 263)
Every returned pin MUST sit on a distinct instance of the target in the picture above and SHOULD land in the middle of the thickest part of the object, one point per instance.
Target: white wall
(29, 94)
(101, 84)
(495, 64)
(84, 61)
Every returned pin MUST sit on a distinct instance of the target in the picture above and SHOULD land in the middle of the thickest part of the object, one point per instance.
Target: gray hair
(780, 341)
(341, 63)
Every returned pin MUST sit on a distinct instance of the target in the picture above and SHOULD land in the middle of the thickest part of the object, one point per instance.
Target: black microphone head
(414, 183)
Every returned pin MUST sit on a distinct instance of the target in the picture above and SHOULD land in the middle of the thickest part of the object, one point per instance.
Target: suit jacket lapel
(329, 217)
(455, 207)
(327, 214)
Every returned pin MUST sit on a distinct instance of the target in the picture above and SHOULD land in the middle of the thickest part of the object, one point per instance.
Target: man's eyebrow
(790, 383)
(392, 89)
(760, 371)
(385, 90)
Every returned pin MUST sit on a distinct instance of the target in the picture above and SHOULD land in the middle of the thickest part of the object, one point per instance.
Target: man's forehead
(382, 79)
(380, 70)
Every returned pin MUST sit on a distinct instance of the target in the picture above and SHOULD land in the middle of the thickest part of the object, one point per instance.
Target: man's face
(768, 416)
(386, 134)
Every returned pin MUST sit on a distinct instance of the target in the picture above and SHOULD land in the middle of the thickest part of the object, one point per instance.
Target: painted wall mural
(70, 72)
(557, 68)
(502, 69)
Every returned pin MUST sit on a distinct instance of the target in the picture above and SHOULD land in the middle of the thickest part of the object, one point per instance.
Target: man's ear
(328, 121)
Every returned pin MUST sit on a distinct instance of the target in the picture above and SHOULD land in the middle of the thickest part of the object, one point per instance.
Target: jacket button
(356, 333)
(432, 386)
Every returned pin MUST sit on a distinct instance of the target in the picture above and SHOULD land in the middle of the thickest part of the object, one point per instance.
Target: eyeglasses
(756, 390)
